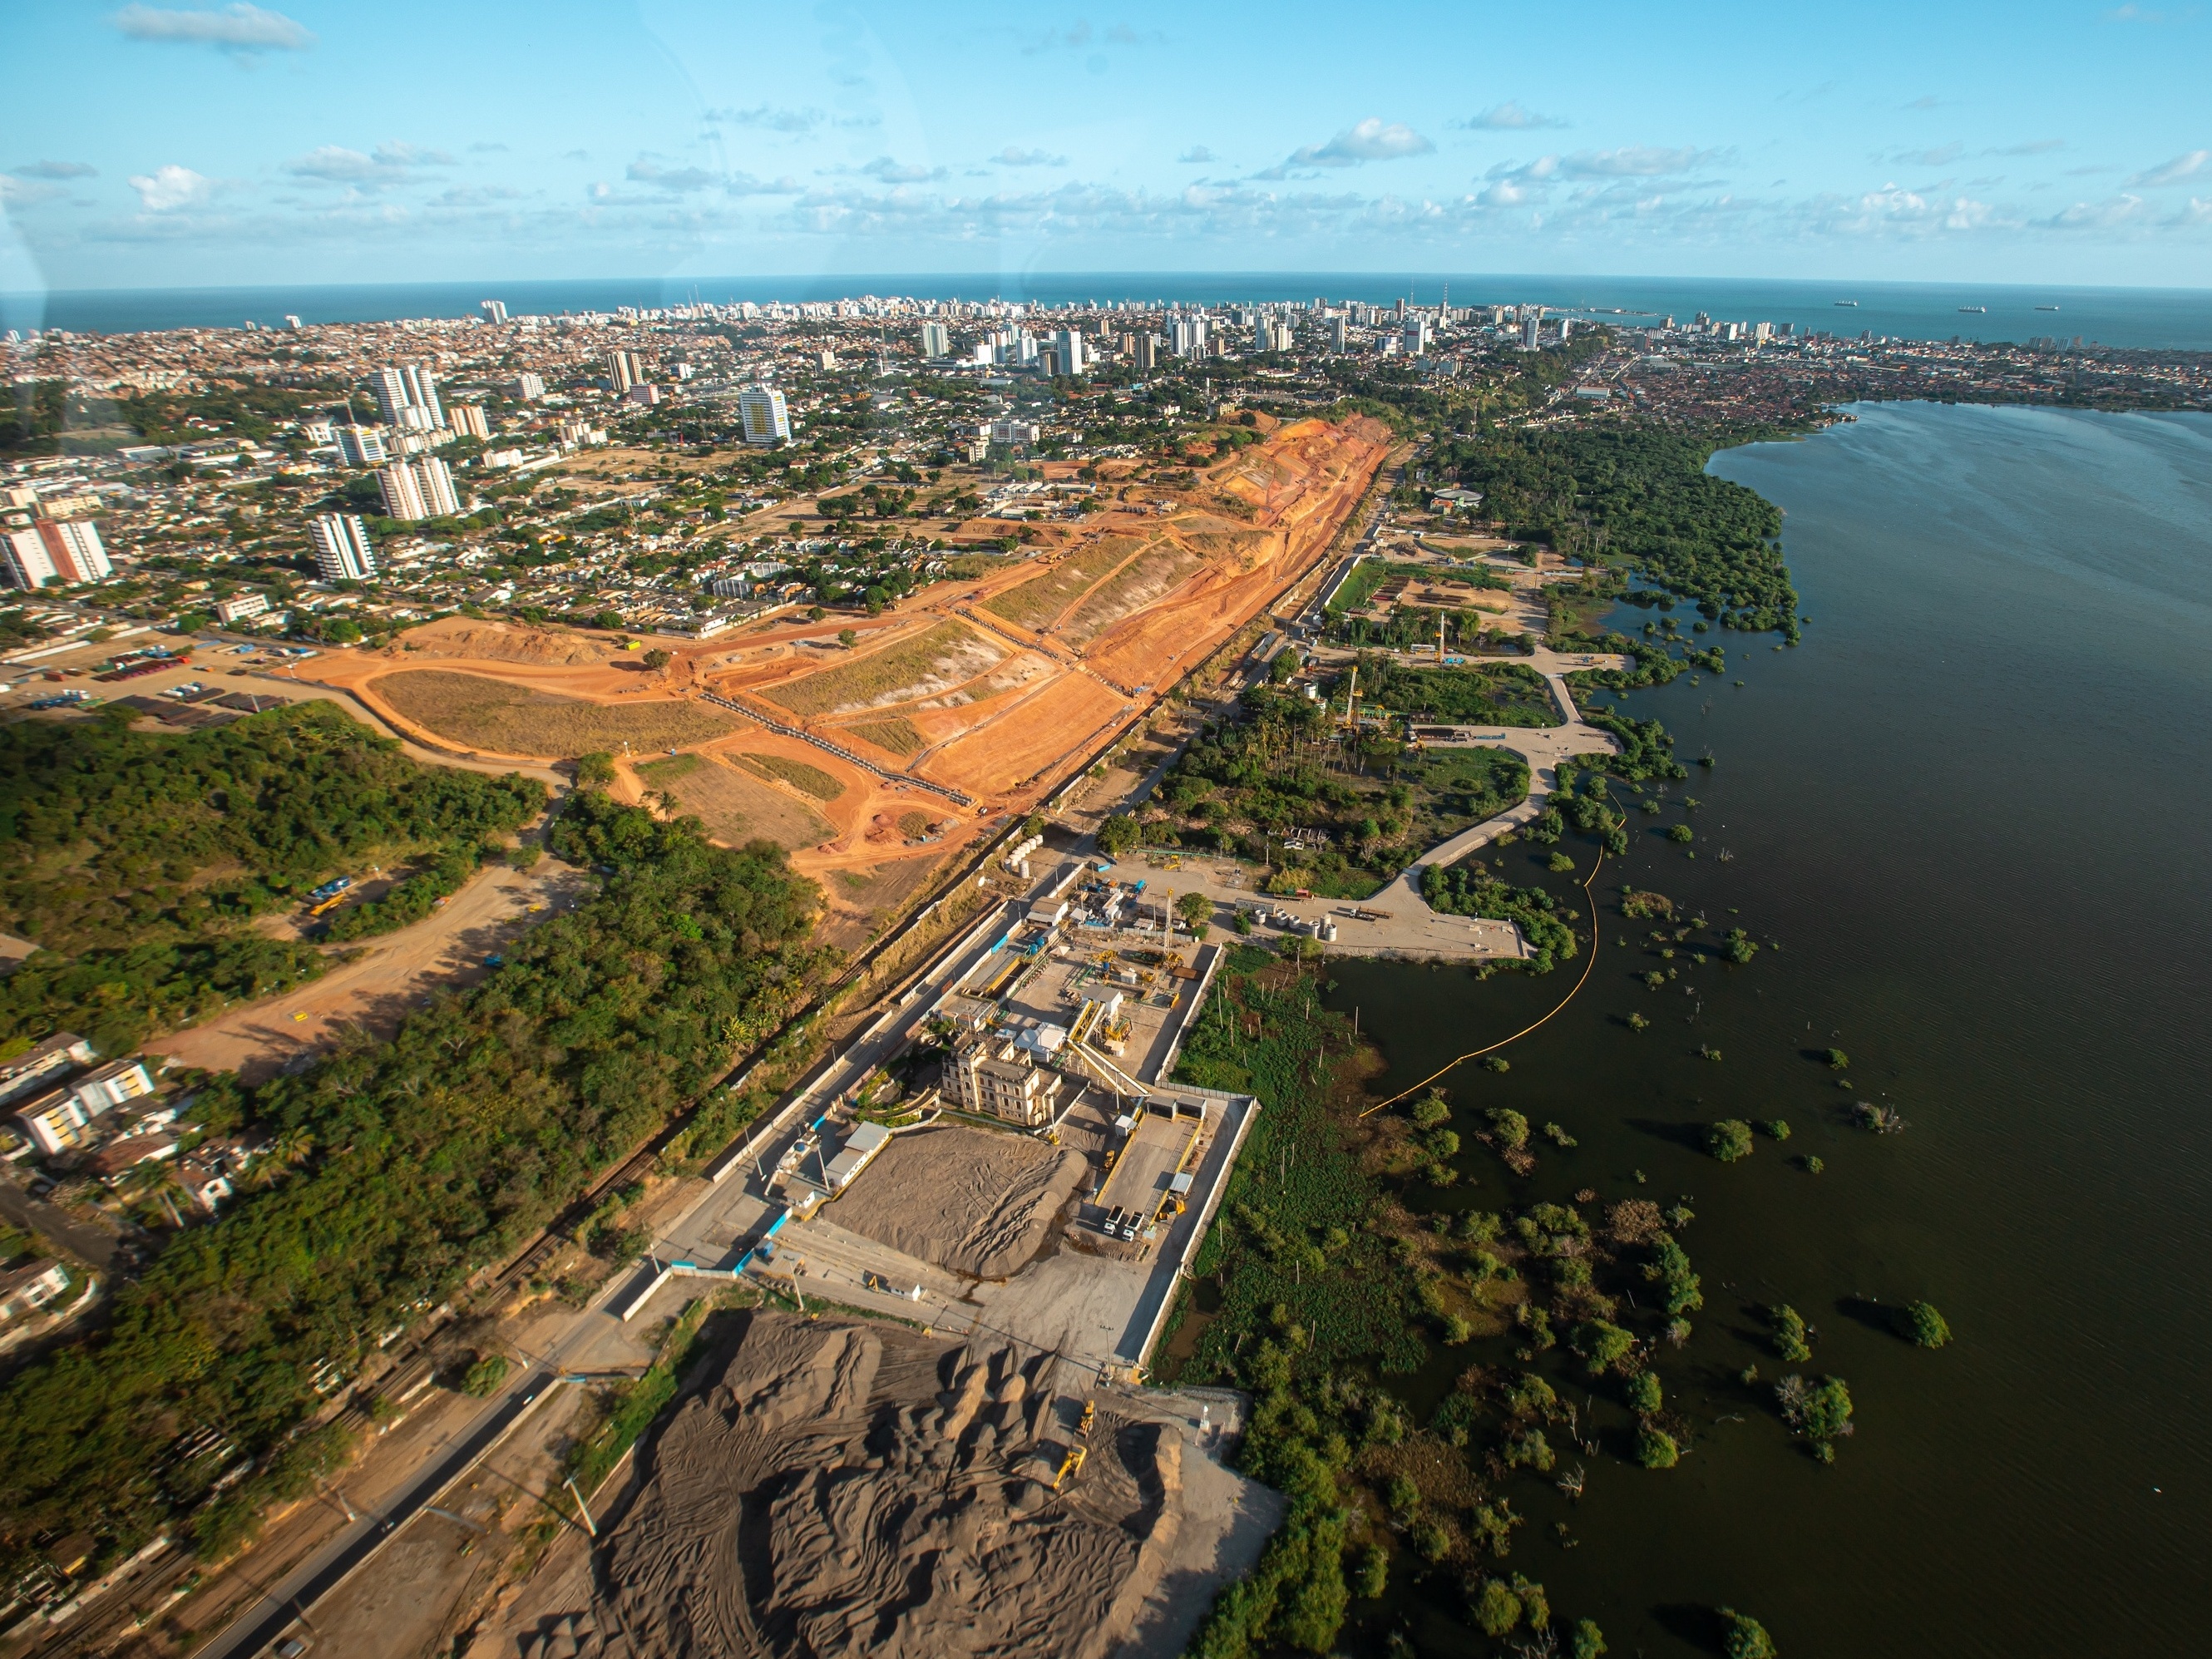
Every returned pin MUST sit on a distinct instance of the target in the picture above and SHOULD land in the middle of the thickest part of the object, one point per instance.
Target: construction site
(837, 1486)
(977, 1219)
(872, 749)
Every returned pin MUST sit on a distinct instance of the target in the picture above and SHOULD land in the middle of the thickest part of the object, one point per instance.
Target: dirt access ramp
(838, 1486)
(386, 977)
(972, 1202)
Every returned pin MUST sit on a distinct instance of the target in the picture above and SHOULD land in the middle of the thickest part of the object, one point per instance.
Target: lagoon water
(1971, 812)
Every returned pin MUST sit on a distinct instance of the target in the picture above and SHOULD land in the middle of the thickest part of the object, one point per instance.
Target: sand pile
(458, 636)
(969, 1200)
(850, 1489)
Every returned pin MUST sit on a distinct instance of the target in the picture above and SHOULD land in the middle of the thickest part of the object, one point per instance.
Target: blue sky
(156, 145)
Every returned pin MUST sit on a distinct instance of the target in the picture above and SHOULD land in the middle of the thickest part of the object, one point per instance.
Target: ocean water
(2166, 318)
(1968, 818)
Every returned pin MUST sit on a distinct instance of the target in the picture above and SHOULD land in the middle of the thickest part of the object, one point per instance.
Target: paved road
(90, 1243)
(260, 1625)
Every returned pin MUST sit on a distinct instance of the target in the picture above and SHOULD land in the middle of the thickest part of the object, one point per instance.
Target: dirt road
(391, 975)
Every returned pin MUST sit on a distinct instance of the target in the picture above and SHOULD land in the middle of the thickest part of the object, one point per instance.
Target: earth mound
(850, 1489)
(971, 1201)
(487, 642)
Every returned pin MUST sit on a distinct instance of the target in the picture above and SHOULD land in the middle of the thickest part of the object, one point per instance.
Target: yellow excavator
(1072, 1465)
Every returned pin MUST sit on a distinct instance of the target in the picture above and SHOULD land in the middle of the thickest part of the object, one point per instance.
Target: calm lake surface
(1971, 811)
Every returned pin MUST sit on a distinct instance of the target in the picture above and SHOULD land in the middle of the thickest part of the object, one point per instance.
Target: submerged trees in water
(1920, 1323)
(1729, 1139)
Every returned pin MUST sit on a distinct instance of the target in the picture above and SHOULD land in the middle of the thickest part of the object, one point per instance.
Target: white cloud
(1195, 155)
(1011, 157)
(170, 187)
(798, 123)
(2033, 147)
(2185, 165)
(896, 173)
(1372, 140)
(1634, 161)
(1943, 155)
(1891, 211)
(17, 192)
(646, 171)
(389, 164)
(56, 170)
(237, 28)
(1511, 116)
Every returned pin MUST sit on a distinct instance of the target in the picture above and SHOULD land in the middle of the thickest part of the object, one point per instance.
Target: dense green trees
(1745, 1638)
(436, 1153)
(1921, 1323)
(1729, 1139)
(1493, 693)
(136, 860)
(1789, 1333)
(1469, 889)
(1640, 495)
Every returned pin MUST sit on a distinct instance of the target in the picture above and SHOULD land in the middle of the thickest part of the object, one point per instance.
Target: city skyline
(2055, 143)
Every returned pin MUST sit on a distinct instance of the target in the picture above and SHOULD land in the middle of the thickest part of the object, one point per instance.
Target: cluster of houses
(91, 1123)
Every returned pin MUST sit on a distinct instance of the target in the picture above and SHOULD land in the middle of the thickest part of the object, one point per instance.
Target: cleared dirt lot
(971, 1201)
(998, 686)
(514, 720)
(928, 665)
(736, 805)
(390, 976)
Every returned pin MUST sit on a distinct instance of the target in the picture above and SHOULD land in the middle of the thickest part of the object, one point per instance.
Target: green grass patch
(1371, 576)
(898, 737)
(808, 780)
(630, 1407)
(937, 659)
(662, 773)
(1490, 693)
(1033, 603)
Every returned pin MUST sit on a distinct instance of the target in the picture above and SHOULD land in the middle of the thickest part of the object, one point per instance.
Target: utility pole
(582, 1508)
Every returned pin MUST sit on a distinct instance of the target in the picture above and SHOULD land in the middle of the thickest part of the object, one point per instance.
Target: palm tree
(155, 1180)
(288, 1151)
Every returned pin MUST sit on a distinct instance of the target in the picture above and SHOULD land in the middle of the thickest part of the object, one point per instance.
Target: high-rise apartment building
(1529, 327)
(468, 419)
(494, 310)
(936, 340)
(529, 387)
(1067, 346)
(1189, 337)
(767, 421)
(363, 446)
(64, 550)
(342, 548)
(420, 489)
(1144, 352)
(625, 369)
(1339, 334)
(1416, 335)
(408, 396)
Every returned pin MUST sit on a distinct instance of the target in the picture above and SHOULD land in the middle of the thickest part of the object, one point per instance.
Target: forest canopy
(137, 860)
(427, 1157)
